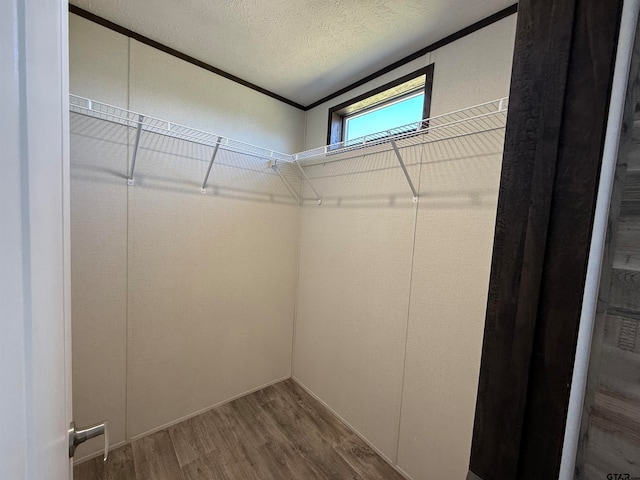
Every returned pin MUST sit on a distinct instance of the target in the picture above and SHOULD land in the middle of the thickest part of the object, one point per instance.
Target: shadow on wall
(101, 153)
(454, 169)
(449, 174)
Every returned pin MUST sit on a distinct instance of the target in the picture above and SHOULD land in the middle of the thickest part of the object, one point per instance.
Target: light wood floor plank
(283, 457)
(349, 446)
(191, 440)
(320, 455)
(210, 467)
(278, 433)
(325, 422)
(244, 455)
(155, 459)
(119, 466)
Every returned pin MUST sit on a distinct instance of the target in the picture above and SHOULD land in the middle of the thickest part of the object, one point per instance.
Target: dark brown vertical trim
(428, 91)
(528, 169)
(175, 53)
(560, 88)
(586, 108)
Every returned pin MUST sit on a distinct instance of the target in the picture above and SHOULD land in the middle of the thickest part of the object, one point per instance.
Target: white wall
(179, 300)
(452, 259)
(388, 332)
(353, 291)
(98, 64)
(166, 87)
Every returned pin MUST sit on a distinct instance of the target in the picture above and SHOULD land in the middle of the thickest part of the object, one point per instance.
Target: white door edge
(35, 397)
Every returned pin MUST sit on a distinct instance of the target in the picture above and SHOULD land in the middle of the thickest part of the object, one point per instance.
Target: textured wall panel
(454, 236)
(211, 281)
(211, 277)
(98, 61)
(454, 239)
(98, 276)
(474, 69)
(166, 87)
(353, 293)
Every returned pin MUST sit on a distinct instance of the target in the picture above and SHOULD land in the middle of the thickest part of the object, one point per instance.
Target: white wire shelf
(131, 119)
(482, 118)
(144, 123)
(479, 119)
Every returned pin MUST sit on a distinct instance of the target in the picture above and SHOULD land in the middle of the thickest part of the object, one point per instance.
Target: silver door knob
(76, 437)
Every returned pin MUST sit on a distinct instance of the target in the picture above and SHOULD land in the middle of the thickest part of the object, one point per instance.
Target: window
(407, 109)
(403, 101)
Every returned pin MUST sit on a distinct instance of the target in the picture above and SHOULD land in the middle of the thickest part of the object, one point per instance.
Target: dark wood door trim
(560, 89)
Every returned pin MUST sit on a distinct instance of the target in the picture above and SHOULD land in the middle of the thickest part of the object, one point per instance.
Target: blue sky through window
(400, 113)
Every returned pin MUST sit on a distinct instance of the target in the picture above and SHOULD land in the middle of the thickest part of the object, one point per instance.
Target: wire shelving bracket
(273, 164)
(131, 179)
(404, 169)
(305, 177)
(213, 158)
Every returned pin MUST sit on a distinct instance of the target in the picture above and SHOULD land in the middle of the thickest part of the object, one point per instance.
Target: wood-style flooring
(278, 433)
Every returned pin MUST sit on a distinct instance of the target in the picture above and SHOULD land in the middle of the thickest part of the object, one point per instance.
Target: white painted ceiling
(300, 49)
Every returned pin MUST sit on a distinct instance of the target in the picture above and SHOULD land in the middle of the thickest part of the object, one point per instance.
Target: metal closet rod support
(274, 166)
(213, 158)
(404, 170)
(304, 175)
(131, 180)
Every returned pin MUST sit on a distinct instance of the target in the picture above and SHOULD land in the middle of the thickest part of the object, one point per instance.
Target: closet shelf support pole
(130, 180)
(304, 174)
(404, 170)
(274, 166)
(213, 157)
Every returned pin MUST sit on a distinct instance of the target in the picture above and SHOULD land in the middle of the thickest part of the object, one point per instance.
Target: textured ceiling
(300, 49)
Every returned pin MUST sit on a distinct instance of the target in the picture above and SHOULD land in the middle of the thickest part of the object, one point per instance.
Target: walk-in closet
(253, 298)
